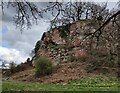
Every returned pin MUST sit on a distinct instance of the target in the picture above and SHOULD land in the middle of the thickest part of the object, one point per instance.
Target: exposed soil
(64, 73)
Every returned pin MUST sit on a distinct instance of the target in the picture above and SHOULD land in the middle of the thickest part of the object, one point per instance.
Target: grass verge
(85, 84)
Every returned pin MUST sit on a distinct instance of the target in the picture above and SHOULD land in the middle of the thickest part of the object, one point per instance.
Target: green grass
(85, 84)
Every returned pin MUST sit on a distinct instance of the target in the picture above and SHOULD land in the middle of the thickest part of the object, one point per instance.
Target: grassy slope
(85, 84)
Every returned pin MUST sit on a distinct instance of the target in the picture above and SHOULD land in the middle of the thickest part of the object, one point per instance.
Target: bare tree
(27, 13)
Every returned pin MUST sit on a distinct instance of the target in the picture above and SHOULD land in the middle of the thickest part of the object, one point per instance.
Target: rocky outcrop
(57, 38)
(64, 42)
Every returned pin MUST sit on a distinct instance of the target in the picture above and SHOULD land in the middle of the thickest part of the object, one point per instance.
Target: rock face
(56, 37)
(62, 43)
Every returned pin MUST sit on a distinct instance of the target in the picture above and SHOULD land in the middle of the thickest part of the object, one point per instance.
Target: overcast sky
(16, 46)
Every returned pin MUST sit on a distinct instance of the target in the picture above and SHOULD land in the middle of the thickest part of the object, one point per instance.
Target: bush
(12, 67)
(37, 46)
(18, 68)
(43, 66)
(6, 73)
(52, 46)
(64, 31)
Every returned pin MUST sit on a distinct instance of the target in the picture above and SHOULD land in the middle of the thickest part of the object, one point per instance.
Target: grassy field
(85, 84)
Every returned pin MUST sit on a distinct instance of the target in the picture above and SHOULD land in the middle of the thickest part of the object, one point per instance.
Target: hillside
(64, 43)
(71, 55)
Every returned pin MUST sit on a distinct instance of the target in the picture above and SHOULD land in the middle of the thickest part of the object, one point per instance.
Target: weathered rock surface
(61, 43)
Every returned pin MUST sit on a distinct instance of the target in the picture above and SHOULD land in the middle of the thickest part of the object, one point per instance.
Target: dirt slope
(65, 72)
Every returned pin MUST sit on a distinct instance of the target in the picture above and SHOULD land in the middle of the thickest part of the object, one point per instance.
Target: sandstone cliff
(64, 43)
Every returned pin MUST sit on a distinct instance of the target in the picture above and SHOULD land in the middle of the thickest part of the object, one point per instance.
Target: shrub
(52, 46)
(18, 68)
(43, 66)
(37, 46)
(6, 73)
(98, 64)
(64, 31)
(12, 67)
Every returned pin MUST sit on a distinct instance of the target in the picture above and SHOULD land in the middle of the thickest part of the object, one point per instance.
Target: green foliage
(7, 73)
(12, 67)
(52, 46)
(43, 66)
(64, 31)
(18, 68)
(37, 46)
(55, 47)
